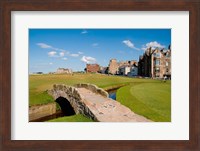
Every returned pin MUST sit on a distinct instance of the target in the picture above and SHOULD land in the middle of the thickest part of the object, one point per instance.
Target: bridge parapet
(73, 96)
(93, 88)
(85, 99)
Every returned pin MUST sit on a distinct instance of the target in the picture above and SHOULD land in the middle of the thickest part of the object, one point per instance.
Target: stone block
(92, 88)
(102, 92)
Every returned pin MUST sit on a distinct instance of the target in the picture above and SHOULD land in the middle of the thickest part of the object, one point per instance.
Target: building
(121, 68)
(155, 63)
(104, 70)
(63, 70)
(113, 67)
(133, 71)
(124, 70)
(94, 68)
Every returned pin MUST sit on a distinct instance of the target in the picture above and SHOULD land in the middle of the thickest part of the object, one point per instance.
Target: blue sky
(50, 49)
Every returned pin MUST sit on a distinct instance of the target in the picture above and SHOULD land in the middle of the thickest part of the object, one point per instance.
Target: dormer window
(157, 55)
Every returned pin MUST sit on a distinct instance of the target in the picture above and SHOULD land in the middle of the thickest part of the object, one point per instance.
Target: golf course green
(147, 97)
(151, 100)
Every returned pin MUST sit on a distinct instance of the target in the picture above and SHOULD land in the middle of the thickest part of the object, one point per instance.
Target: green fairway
(74, 118)
(152, 100)
(147, 97)
(38, 84)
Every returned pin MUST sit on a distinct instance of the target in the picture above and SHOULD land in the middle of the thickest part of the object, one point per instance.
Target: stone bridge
(93, 102)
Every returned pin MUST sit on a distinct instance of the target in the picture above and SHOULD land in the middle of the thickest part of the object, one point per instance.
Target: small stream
(112, 93)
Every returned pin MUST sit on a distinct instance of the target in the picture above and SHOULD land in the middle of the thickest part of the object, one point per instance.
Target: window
(157, 62)
(157, 69)
(166, 64)
(157, 55)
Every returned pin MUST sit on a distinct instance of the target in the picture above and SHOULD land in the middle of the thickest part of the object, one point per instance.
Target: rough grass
(152, 100)
(74, 118)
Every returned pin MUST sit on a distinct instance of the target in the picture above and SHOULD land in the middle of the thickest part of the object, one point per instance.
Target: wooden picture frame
(7, 6)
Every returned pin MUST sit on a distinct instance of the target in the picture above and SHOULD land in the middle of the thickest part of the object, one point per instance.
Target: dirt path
(108, 110)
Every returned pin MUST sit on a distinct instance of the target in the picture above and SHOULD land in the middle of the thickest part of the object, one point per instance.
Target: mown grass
(147, 97)
(39, 84)
(74, 118)
(152, 100)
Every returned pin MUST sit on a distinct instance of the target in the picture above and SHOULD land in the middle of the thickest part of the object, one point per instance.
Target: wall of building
(155, 63)
(92, 68)
(63, 70)
(113, 66)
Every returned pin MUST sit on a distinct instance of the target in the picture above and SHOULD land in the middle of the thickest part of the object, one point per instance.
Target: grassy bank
(152, 100)
(74, 118)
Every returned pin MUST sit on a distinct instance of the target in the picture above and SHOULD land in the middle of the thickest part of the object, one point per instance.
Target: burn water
(112, 93)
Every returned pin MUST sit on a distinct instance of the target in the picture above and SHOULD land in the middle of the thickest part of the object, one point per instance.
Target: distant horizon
(50, 49)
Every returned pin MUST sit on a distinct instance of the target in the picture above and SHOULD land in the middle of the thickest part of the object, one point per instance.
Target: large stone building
(94, 68)
(63, 70)
(155, 63)
(113, 67)
(122, 67)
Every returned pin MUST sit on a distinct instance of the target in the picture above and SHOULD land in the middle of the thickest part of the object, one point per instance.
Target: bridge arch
(70, 99)
(65, 106)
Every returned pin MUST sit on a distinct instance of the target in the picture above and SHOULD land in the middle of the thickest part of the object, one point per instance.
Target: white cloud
(52, 53)
(95, 44)
(74, 55)
(64, 58)
(130, 44)
(50, 63)
(88, 59)
(80, 52)
(43, 45)
(153, 45)
(62, 54)
(84, 32)
(144, 48)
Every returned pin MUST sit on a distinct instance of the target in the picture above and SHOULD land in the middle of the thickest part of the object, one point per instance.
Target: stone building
(63, 70)
(122, 67)
(113, 67)
(94, 68)
(155, 63)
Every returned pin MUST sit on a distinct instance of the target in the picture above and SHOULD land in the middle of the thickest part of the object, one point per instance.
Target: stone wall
(74, 98)
(93, 88)
(39, 111)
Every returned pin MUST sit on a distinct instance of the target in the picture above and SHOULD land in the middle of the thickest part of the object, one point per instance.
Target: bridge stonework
(75, 99)
(93, 102)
